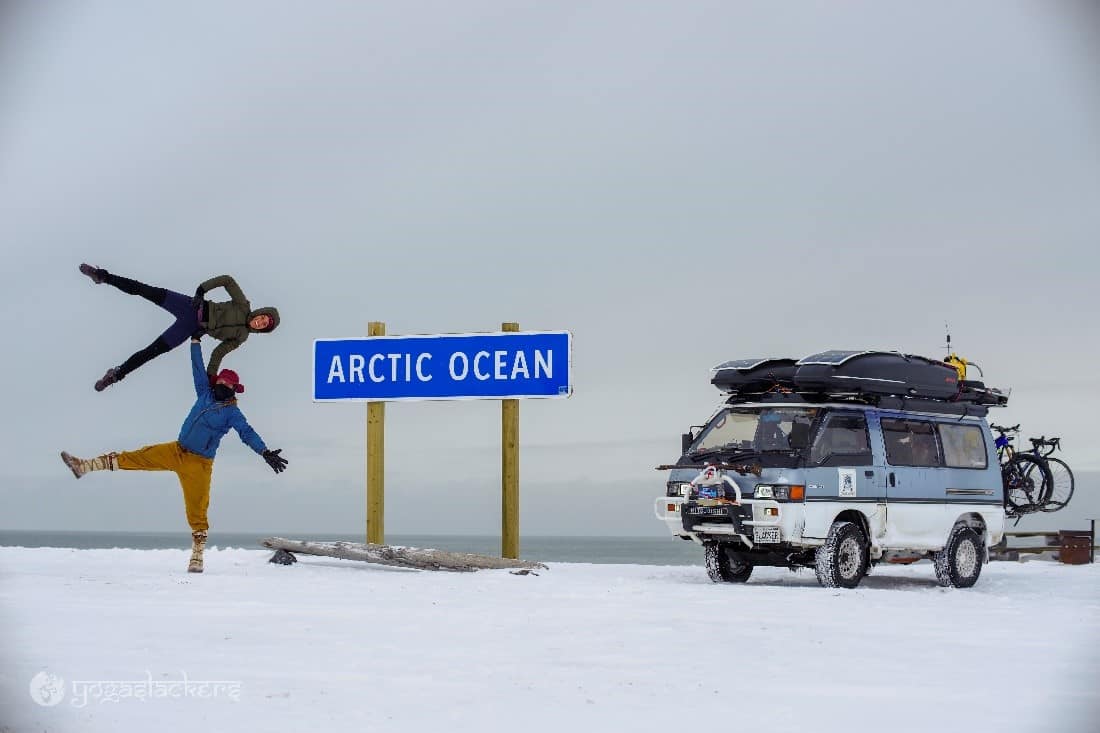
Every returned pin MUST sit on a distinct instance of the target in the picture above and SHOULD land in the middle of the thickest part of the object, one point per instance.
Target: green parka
(227, 321)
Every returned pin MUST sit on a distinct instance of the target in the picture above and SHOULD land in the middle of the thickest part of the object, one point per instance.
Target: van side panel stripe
(889, 500)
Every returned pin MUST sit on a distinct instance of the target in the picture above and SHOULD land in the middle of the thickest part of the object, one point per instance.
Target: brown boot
(96, 273)
(81, 466)
(112, 375)
(198, 544)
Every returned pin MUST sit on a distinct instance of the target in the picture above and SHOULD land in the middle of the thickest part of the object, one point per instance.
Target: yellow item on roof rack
(959, 363)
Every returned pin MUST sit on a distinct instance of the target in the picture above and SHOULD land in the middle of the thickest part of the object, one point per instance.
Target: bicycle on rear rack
(1025, 475)
(1058, 479)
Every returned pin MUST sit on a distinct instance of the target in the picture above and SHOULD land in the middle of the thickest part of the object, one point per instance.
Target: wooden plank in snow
(403, 557)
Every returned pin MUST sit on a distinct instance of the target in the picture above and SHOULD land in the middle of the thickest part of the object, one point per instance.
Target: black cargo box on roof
(877, 373)
(754, 375)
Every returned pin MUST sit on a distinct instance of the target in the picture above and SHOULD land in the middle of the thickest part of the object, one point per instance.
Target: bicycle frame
(1005, 450)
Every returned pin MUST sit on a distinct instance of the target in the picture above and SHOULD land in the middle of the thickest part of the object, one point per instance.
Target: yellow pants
(193, 471)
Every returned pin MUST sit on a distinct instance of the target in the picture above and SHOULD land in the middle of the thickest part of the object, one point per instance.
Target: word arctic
(501, 365)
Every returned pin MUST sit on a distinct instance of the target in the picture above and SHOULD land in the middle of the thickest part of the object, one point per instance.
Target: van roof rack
(882, 402)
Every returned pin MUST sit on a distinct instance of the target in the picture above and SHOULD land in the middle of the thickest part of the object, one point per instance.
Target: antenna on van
(955, 360)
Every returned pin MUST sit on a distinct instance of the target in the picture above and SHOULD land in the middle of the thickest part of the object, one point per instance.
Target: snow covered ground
(331, 645)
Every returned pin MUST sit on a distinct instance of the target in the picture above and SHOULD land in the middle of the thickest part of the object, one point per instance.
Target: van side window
(843, 436)
(911, 443)
(963, 445)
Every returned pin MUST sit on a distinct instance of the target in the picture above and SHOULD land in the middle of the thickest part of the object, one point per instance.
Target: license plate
(765, 534)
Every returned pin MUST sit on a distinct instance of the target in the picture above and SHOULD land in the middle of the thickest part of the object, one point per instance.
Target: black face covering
(223, 393)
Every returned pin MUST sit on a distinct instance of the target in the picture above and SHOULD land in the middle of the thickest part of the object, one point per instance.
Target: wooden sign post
(509, 472)
(376, 460)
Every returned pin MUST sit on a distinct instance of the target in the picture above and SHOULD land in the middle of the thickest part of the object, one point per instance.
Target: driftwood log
(402, 557)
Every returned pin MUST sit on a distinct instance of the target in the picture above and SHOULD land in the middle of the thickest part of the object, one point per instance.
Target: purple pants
(187, 318)
(178, 304)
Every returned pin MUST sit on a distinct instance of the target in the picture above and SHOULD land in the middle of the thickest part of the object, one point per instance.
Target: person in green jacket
(230, 321)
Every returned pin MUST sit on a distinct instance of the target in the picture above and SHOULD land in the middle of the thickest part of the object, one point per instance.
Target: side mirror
(686, 439)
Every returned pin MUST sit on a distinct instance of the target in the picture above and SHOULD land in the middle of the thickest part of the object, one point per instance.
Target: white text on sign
(499, 365)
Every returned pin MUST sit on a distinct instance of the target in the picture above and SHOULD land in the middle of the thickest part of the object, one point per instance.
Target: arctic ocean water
(630, 550)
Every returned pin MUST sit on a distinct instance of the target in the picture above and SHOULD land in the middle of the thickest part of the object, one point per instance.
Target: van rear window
(963, 445)
(911, 443)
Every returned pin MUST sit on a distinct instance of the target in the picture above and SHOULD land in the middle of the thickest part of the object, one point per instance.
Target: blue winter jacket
(209, 420)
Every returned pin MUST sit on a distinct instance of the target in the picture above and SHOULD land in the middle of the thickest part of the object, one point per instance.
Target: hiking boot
(198, 544)
(96, 273)
(114, 374)
(81, 466)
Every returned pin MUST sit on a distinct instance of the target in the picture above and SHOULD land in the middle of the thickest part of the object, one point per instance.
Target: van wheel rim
(848, 560)
(966, 559)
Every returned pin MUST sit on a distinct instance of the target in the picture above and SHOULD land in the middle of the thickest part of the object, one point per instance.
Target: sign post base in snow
(509, 366)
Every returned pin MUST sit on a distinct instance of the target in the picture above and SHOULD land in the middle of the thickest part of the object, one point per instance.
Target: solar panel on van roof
(836, 357)
(740, 364)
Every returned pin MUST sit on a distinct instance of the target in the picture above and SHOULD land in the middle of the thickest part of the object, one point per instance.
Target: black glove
(196, 300)
(277, 462)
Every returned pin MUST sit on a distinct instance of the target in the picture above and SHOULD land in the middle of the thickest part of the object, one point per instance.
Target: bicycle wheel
(1025, 483)
(1061, 485)
(1039, 472)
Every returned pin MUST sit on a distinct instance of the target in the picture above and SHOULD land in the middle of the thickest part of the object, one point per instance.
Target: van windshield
(756, 430)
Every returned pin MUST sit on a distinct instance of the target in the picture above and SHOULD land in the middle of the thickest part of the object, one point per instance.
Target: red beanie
(230, 379)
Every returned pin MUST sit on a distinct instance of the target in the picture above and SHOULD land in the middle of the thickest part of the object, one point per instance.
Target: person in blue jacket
(191, 455)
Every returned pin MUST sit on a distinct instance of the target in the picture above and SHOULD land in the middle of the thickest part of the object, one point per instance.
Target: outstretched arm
(248, 436)
(253, 441)
(202, 384)
(218, 354)
(222, 281)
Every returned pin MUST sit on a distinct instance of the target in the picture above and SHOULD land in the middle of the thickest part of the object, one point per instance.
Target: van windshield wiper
(733, 454)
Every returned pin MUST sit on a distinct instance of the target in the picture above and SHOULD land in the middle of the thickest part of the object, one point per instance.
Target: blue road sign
(464, 366)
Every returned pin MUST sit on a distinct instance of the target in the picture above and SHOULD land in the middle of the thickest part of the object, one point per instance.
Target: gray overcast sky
(676, 183)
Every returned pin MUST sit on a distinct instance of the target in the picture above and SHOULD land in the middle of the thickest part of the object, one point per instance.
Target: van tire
(721, 568)
(844, 558)
(959, 563)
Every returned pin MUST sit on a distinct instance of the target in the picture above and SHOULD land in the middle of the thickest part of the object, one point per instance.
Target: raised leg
(137, 359)
(159, 457)
(81, 466)
(151, 293)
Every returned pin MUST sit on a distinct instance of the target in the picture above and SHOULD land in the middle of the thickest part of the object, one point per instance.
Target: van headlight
(782, 492)
(678, 488)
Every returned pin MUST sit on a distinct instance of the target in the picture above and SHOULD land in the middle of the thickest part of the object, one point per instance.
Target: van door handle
(869, 474)
(892, 479)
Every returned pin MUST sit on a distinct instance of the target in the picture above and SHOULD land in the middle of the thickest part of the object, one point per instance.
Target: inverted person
(230, 321)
